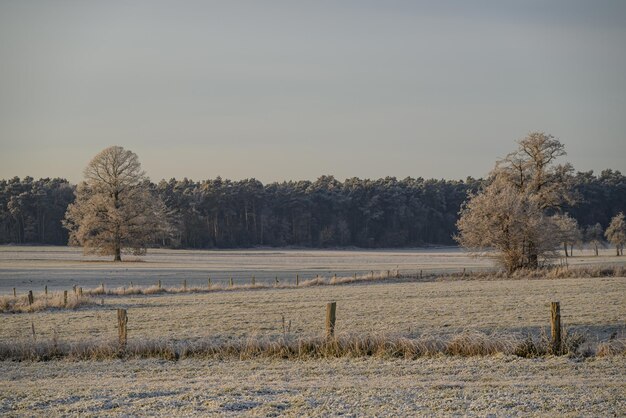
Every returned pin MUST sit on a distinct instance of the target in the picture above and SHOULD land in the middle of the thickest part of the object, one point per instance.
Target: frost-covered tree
(568, 231)
(510, 215)
(594, 235)
(114, 211)
(616, 233)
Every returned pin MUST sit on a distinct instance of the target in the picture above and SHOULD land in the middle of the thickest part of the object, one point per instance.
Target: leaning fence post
(555, 322)
(331, 308)
(122, 321)
(31, 299)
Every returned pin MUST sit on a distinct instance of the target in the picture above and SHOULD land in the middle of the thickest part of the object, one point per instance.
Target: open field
(440, 385)
(597, 306)
(60, 268)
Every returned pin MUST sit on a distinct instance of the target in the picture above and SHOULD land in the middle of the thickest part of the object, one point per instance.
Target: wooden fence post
(31, 299)
(159, 284)
(45, 290)
(276, 280)
(230, 282)
(331, 308)
(80, 291)
(14, 293)
(74, 289)
(209, 282)
(555, 322)
(420, 274)
(64, 298)
(102, 286)
(253, 280)
(185, 285)
(122, 321)
(297, 280)
(388, 273)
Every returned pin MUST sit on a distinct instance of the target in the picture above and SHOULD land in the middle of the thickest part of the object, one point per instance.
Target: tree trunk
(565, 248)
(595, 246)
(118, 254)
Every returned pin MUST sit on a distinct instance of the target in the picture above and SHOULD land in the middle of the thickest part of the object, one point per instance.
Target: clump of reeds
(470, 343)
(42, 302)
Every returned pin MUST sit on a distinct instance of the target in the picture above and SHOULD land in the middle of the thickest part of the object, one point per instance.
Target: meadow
(438, 308)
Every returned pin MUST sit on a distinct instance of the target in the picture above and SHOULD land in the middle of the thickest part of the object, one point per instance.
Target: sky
(291, 90)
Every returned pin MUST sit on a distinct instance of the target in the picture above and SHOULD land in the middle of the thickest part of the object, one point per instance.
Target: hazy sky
(293, 90)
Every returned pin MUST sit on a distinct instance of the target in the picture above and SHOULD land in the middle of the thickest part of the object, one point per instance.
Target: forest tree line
(220, 213)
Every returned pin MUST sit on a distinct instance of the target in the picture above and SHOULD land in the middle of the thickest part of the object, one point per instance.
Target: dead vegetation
(548, 272)
(288, 347)
(42, 302)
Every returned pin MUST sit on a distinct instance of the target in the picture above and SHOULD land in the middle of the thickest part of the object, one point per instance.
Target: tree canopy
(114, 210)
(222, 213)
(512, 213)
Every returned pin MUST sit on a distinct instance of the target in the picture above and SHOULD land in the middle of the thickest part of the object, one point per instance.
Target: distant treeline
(324, 213)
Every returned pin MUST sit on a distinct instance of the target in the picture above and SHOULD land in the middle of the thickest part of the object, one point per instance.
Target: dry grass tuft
(612, 348)
(548, 272)
(42, 302)
(470, 343)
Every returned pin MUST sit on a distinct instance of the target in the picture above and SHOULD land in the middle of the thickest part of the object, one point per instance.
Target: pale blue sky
(293, 89)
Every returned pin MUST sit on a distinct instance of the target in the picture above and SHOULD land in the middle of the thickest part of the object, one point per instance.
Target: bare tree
(114, 211)
(616, 233)
(511, 214)
(594, 235)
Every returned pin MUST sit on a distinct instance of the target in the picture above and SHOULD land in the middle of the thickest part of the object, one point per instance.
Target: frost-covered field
(32, 268)
(59, 268)
(597, 306)
(498, 384)
(504, 386)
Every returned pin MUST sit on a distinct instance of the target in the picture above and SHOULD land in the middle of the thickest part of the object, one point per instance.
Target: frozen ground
(595, 306)
(60, 268)
(502, 386)
(32, 268)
